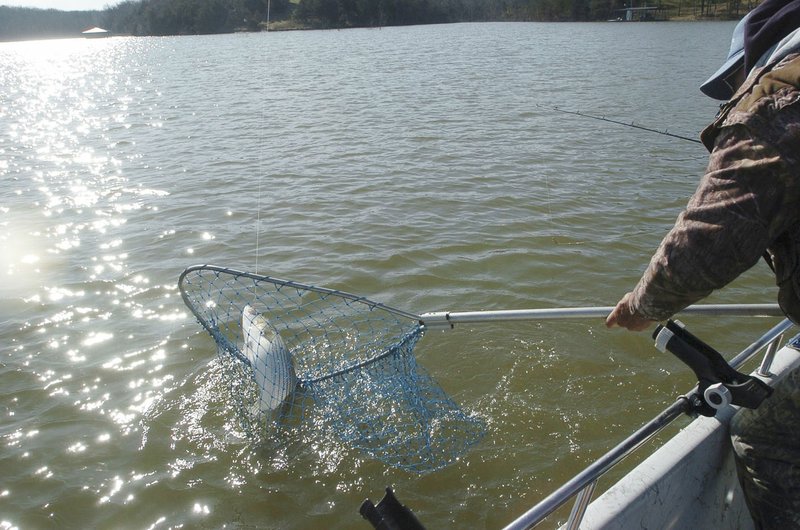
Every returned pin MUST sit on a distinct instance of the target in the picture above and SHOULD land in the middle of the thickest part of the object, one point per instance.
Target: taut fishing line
(550, 216)
(550, 220)
(261, 149)
(608, 120)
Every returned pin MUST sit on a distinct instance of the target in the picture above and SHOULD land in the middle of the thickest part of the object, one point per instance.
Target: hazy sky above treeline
(63, 5)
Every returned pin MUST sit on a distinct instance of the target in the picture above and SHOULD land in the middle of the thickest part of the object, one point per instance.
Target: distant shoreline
(294, 25)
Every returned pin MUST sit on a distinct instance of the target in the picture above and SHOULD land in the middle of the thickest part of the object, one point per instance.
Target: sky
(64, 5)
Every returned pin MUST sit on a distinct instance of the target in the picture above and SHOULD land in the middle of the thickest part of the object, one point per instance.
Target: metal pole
(552, 502)
(579, 508)
(449, 319)
(766, 362)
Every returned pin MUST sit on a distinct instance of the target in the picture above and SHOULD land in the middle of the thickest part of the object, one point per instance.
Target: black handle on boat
(719, 384)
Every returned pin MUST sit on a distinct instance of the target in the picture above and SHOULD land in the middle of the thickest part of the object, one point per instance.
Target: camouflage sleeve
(746, 199)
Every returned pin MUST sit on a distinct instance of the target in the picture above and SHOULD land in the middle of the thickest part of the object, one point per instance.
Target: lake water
(422, 167)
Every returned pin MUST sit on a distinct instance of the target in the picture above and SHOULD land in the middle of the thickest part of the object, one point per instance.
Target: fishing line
(608, 120)
(261, 148)
(550, 215)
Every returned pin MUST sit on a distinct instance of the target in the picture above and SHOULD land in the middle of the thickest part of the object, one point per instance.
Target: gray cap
(716, 86)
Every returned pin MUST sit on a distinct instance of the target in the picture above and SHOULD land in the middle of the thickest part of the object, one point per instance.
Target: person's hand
(624, 316)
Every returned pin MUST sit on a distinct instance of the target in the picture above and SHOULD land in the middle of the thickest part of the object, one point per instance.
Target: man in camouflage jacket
(746, 206)
(747, 203)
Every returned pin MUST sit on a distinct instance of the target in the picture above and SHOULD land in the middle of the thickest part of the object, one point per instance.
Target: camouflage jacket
(747, 203)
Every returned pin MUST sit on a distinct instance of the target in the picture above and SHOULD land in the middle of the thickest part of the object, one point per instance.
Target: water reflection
(86, 367)
(19, 255)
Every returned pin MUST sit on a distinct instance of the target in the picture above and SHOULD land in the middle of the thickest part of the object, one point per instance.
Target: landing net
(304, 357)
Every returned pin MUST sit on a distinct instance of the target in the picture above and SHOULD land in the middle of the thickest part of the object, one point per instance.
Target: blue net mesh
(299, 357)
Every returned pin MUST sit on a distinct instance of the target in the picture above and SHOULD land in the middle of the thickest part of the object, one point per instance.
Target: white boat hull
(690, 482)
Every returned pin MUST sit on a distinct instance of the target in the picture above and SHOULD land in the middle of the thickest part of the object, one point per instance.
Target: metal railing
(583, 484)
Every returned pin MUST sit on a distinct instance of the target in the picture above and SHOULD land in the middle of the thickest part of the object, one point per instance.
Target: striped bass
(270, 359)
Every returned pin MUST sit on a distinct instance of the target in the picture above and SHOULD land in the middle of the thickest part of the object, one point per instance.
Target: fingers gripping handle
(719, 384)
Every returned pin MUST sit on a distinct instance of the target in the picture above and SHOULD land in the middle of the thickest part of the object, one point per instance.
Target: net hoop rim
(289, 283)
(372, 305)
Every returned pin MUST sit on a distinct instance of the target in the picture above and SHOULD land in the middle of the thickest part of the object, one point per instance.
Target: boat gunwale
(587, 478)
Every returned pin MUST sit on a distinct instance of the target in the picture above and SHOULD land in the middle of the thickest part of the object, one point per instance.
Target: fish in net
(298, 356)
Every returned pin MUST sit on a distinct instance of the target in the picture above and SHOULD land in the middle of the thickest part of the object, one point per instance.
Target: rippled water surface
(422, 167)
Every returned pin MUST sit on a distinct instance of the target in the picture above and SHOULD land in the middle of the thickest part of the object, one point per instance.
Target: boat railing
(582, 485)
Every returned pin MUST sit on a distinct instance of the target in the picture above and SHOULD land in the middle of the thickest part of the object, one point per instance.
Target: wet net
(304, 357)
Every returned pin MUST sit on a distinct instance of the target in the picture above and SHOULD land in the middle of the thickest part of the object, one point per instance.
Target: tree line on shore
(189, 17)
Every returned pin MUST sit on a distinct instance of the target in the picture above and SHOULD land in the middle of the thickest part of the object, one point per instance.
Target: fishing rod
(635, 126)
